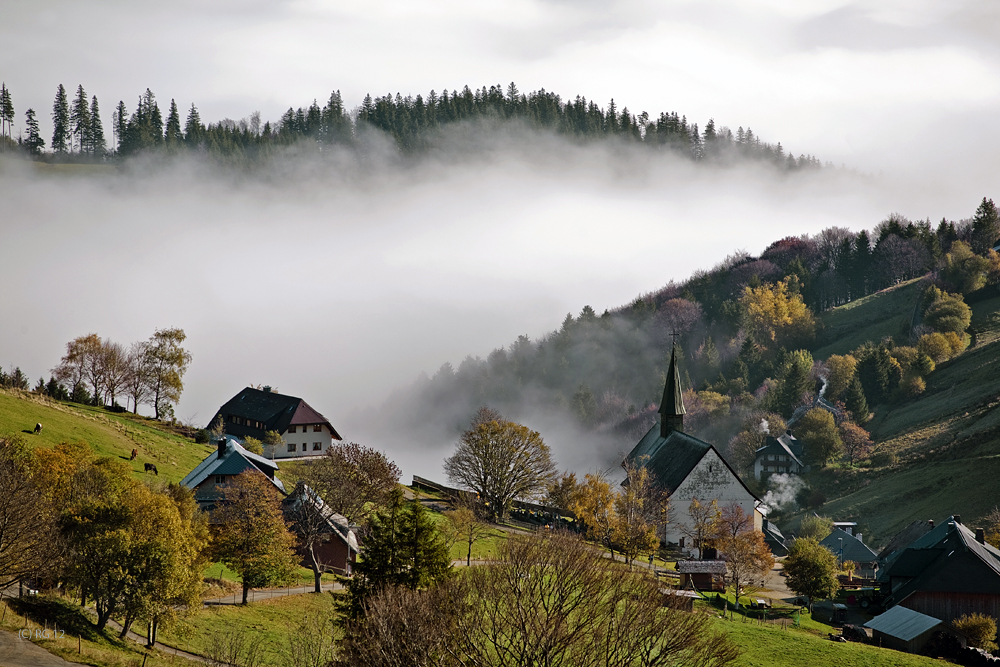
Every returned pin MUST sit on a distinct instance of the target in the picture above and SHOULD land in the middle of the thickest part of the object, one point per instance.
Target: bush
(201, 436)
(980, 629)
(948, 313)
(912, 385)
(935, 346)
(885, 459)
(957, 342)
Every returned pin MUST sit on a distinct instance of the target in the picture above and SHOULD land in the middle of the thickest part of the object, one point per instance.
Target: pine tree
(34, 142)
(6, 111)
(193, 129)
(856, 402)
(985, 227)
(119, 125)
(173, 136)
(79, 120)
(98, 144)
(60, 121)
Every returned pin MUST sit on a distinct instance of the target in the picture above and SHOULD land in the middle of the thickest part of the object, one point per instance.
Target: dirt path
(18, 652)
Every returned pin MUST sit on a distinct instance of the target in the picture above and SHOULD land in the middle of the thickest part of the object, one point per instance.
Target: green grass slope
(947, 441)
(108, 434)
(874, 317)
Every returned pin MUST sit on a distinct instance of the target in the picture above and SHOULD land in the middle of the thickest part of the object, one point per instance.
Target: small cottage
(703, 575)
(337, 548)
(219, 468)
(847, 547)
(779, 455)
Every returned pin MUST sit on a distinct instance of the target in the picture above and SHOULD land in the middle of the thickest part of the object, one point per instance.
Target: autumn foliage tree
(775, 314)
(748, 558)
(253, 538)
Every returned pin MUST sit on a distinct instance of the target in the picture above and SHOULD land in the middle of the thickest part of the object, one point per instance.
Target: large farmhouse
(252, 412)
(687, 467)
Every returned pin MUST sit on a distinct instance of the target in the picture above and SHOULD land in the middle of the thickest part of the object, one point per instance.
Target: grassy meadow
(107, 433)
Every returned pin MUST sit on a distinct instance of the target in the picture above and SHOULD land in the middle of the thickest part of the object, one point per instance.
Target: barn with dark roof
(252, 412)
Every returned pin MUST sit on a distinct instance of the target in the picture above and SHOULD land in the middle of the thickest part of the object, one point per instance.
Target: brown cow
(135, 453)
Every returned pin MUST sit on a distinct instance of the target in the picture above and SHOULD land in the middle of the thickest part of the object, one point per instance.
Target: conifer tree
(985, 227)
(193, 129)
(79, 120)
(60, 121)
(6, 111)
(98, 144)
(173, 135)
(34, 142)
(119, 125)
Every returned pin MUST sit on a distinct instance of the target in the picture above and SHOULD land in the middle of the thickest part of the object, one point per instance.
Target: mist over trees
(412, 124)
(746, 331)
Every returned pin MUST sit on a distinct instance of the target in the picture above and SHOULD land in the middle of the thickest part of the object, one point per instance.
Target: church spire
(672, 408)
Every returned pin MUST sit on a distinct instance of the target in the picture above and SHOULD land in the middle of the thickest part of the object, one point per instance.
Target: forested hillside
(759, 336)
(413, 124)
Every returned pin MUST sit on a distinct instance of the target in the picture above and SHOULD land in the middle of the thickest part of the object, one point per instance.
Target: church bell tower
(672, 408)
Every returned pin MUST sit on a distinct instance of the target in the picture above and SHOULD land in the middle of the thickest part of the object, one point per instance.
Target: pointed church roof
(673, 400)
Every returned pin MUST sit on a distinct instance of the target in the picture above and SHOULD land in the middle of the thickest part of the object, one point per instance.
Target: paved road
(17, 652)
(267, 593)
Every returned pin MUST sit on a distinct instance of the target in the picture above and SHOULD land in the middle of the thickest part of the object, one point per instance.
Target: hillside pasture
(107, 433)
(871, 318)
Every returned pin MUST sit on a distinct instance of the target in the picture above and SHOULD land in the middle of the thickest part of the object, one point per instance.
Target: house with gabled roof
(949, 572)
(220, 467)
(848, 547)
(779, 455)
(252, 412)
(686, 467)
(337, 548)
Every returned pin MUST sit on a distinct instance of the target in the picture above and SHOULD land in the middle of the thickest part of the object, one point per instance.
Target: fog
(338, 282)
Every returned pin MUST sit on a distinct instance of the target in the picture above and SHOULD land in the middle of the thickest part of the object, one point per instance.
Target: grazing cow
(135, 453)
(38, 428)
(150, 466)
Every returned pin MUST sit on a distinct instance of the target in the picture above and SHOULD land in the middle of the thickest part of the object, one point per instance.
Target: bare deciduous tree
(353, 480)
(501, 461)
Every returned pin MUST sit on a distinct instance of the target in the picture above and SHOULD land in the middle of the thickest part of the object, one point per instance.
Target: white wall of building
(304, 440)
(710, 480)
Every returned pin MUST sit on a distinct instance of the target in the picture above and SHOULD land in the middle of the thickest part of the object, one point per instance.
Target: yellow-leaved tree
(775, 314)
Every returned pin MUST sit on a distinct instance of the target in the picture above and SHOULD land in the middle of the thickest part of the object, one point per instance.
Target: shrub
(913, 385)
(201, 436)
(948, 312)
(979, 628)
(957, 342)
(885, 459)
(936, 346)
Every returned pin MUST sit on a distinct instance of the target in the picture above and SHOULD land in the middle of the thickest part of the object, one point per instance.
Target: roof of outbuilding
(903, 623)
(701, 566)
(235, 460)
(783, 444)
(854, 549)
(904, 538)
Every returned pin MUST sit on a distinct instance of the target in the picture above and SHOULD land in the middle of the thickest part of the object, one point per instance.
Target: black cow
(38, 428)
(150, 466)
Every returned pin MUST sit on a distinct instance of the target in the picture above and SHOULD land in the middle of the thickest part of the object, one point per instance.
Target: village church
(687, 467)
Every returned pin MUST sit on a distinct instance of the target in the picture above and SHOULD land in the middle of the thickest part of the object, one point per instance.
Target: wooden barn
(906, 630)
(703, 575)
(949, 572)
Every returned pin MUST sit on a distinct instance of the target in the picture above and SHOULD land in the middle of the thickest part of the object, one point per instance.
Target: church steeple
(672, 408)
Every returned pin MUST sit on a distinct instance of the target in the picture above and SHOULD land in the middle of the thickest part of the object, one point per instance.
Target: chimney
(222, 448)
(980, 536)
(860, 538)
(788, 431)
(930, 522)
(957, 518)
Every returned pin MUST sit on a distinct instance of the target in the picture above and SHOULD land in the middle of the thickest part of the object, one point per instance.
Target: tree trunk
(125, 627)
(152, 633)
(246, 589)
(468, 557)
(317, 570)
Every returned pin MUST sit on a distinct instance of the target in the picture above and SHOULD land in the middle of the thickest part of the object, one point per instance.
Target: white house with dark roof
(221, 466)
(779, 455)
(252, 412)
(687, 467)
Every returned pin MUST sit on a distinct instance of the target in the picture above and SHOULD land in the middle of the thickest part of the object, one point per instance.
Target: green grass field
(874, 317)
(107, 433)
(272, 620)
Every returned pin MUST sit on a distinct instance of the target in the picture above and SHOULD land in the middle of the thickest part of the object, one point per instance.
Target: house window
(291, 446)
(317, 446)
(318, 428)
(305, 446)
(219, 479)
(291, 429)
(682, 543)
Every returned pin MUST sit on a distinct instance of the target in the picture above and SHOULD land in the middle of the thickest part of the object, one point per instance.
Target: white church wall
(710, 480)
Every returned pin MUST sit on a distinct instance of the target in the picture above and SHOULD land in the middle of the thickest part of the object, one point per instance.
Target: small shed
(703, 575)
(678, 599)
(907, 630)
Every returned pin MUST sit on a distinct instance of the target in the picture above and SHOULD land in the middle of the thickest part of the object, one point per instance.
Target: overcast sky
(340, 290)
